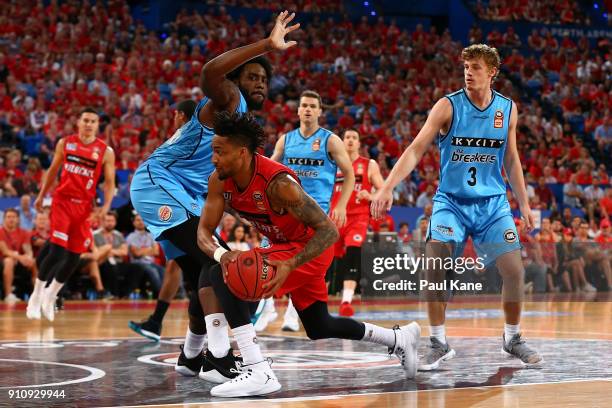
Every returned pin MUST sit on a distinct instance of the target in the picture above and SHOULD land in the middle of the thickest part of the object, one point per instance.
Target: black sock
(160, 310)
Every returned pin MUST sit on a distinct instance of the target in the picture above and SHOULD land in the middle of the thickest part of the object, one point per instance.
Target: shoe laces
(397, 350)
(516, 340)
(244, 370)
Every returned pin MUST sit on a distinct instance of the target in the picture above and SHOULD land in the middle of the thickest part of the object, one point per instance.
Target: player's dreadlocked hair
(241, 128)
(257, 60)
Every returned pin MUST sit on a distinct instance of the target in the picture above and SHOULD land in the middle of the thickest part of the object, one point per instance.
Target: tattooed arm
(285, 194)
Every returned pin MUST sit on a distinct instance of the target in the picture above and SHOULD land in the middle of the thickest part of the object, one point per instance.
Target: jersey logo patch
(258, 198)
(445, 230)
(316, 145)
(498, 120)
(70, 146)
(164, 213)
(357, 238)
(227, 195)
(509, 236)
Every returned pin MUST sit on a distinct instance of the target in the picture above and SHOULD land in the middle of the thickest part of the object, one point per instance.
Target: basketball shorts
(161, 200)
(170, 250)
(488, 220)
(305, 284)
(70, 227)
(352, 234)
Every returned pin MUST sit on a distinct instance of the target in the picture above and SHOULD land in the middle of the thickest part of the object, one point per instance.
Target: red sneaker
(346, 310)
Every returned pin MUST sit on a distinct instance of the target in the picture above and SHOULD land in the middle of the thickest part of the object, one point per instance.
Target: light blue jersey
(471, 199)
(170, 186)
(311, 161)
(187, 154)
(472, 152)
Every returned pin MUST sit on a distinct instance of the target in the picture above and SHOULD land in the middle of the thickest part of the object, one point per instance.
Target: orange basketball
(247, 275)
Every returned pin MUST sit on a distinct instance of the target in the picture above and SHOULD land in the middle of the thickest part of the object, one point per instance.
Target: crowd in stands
(533, 11)
(373, 76)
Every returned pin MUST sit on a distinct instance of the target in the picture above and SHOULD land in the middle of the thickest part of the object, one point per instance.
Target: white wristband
(219, 253)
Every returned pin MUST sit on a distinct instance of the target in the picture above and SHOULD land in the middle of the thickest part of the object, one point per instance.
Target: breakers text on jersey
(460, 156)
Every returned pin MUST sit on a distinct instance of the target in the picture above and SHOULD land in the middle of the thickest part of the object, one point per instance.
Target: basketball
(248, 274)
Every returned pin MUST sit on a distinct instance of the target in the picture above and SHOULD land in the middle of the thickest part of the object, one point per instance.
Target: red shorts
(70, 226)
(306, 284)
(352, 234)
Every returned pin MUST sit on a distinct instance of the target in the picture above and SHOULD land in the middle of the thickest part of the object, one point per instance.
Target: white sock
(218, 338)
(194, 343)
(347, 295)
(290, 313)
(247, 343)
(54, 289)
(269, 305)
(39, 287)
(439, 332)
(379, 335)
(510, 330)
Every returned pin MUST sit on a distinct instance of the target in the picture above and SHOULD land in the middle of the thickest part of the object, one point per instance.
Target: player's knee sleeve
(195, 307)
(191, 270)
(44, 251)
(319, 324)
(352, 264)
(236, 310)
(67, 266)
(331, 271)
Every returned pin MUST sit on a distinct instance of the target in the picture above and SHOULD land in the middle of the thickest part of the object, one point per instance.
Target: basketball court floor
(91, 358)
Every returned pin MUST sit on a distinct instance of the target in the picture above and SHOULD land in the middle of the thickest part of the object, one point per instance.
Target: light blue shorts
(488, 220)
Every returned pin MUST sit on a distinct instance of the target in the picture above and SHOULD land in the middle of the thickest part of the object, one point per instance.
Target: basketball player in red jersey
(352, 235)
(82, 157)
(269, 195)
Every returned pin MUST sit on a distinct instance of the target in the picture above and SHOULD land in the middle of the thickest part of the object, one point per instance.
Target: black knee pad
(352, 264)
(195, 307)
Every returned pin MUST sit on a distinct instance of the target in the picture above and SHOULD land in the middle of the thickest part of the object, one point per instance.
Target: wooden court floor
(572, 332)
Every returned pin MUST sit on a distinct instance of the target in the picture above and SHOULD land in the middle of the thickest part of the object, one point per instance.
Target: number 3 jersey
(472, 152)
(81, 168)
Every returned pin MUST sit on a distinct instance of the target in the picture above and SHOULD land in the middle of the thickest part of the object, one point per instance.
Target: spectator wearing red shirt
(604, 237)
(16, 251)
(584, 175)
(544, 193)
(40, 233)
(384, 224)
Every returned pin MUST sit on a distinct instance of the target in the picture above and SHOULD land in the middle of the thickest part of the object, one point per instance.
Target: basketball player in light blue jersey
(476, 133)
(314, 153)
(168, 189)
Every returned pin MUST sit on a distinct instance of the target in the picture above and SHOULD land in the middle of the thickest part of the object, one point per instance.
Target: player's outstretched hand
(226, 259)
(338, 216)
(527, 218)
(381, 203)
(38, 203)
(283, 269)
(280, 30)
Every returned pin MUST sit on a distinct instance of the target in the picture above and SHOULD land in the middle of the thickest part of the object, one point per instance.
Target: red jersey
(362, 182)
(81, 168)
(252, 204)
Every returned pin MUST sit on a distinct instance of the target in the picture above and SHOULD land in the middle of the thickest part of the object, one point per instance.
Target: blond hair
(488, 54)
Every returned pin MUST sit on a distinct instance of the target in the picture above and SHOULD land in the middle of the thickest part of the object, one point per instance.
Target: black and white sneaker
(405, 348)
(220, 370)
(189, 367)
(253, 379)
(148, 328)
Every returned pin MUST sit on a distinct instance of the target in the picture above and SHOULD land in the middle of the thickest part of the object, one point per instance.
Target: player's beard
(252, 104)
